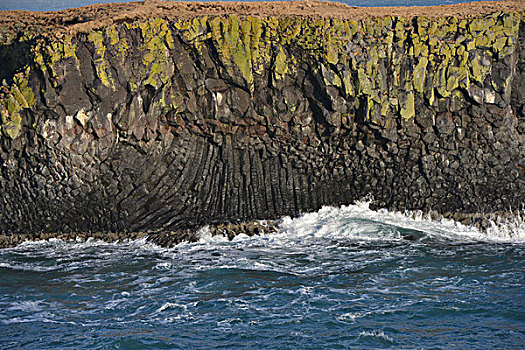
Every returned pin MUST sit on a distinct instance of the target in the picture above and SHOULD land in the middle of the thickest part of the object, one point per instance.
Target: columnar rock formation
(166, 123)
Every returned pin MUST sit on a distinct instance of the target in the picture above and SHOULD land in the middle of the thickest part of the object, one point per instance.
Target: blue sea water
(55, 5)
(339, 278)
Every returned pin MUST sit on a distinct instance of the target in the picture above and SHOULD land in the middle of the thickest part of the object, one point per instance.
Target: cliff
(171, 116)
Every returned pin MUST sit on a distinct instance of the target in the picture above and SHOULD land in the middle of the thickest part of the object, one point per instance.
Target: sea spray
(339, 277)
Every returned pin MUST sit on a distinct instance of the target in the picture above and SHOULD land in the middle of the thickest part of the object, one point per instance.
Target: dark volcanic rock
(165, 126)
(163, 239)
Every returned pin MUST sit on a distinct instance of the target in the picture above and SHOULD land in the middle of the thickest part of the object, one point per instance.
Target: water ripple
(337, 278)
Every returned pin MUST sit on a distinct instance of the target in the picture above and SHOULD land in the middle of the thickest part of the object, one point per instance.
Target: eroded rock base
(163, 239)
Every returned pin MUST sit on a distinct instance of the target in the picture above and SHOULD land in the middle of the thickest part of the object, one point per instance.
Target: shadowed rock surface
(163, 238)
(170, 124)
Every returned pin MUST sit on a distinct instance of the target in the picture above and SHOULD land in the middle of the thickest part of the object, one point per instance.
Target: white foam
(27, 306)
(360, 222)
(169, 305)
(349, 316)
(375, 334)
(514, 228)
(357, 222)
(205, 236)
(26, 267)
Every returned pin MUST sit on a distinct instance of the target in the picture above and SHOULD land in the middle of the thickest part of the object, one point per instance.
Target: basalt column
(165, 124)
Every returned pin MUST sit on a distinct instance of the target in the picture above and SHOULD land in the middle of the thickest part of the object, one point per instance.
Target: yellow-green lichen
(479, 68)
(389, 63)
(117, 42)
(281, 64)
(347, 83)
(364, 83)
(440, 79)
(48, 55)
(102, 66)
(20, 96)
(420, 72)
(240, 46)
(456, 76)
(406, 105)
(438, 51)
(155, 68)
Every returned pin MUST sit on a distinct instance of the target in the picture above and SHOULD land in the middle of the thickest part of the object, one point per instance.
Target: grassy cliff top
(86, 18)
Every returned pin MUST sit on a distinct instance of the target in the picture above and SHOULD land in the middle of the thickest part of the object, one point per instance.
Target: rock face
(172, 124)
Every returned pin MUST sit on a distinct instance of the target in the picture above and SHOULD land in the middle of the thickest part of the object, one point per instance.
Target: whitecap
(359, 222)
(26, 267)
(376, 334)
(351, 316)
(169, 305)
(26, 306)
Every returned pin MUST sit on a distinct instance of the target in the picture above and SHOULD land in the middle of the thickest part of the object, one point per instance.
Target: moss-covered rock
(13, 101)
(381, 59)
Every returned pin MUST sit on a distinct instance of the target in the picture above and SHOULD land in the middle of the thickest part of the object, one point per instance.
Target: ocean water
(55, 5)
(339, 278)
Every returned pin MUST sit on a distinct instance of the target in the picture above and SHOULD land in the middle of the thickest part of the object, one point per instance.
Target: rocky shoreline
(151, 123)
(162, 239)
(481, 222)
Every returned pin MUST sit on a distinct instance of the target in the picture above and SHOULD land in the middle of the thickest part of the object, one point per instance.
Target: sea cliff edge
(165, 116)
